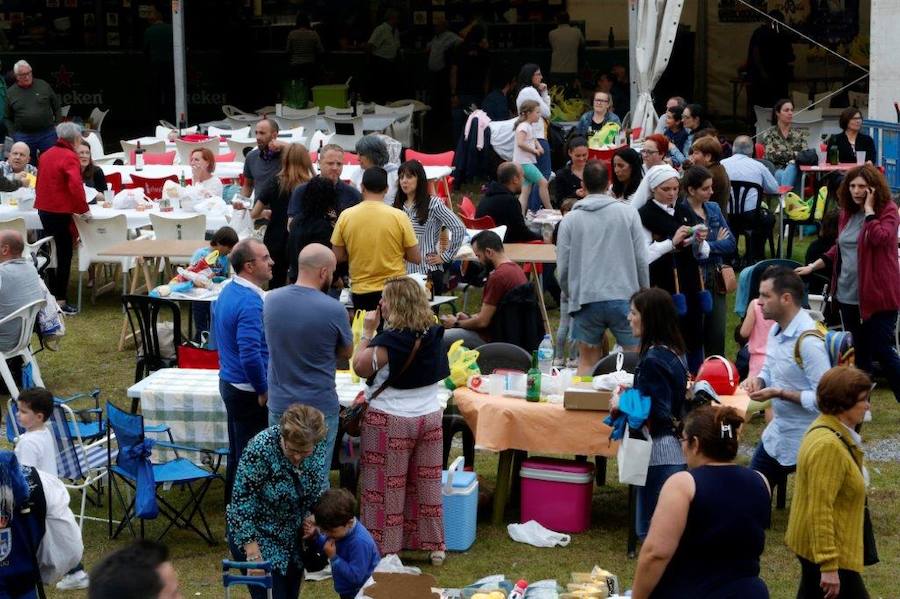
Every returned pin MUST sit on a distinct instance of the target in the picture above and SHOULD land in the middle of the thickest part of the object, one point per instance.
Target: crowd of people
(664, 217)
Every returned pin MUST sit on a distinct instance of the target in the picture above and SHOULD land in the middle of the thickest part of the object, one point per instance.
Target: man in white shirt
(741, 167)
(384, 48)
(566, 42)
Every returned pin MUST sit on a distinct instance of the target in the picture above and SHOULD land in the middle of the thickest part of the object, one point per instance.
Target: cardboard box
(581, 396)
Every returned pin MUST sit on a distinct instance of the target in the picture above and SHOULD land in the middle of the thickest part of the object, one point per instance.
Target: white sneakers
(73, 582)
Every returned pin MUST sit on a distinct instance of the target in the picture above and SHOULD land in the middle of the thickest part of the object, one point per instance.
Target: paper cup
(860, 158)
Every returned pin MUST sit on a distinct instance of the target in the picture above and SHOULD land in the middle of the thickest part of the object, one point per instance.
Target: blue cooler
(460, 491)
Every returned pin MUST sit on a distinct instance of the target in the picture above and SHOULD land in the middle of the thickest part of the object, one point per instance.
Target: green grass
(89, 359)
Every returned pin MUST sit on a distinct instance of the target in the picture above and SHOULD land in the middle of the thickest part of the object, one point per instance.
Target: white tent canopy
(657, 24)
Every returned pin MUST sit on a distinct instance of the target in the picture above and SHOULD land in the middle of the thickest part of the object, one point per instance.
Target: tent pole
(702, 55)
(632, 56)
(178, 50)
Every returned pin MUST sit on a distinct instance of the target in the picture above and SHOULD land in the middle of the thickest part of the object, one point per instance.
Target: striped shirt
(429, 234)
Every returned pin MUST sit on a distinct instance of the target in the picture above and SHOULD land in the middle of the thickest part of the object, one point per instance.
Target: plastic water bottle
(545, 355)
(518, 591)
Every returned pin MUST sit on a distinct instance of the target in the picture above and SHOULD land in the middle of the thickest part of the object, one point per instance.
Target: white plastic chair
(286, 123)
(26, 315)
(97, 117)
(186, 148)
(231, 110)
(291, 134)
(64, 110)
(96, 235)
(763, 118)
(242, 120)
(238, 145)
(319, 139)
(179, 227)
(33, 249)
(97, 154)
(157, 147)
(336, 111)
(808, 116)
(299, 113)
(346, 130)
(402, 127)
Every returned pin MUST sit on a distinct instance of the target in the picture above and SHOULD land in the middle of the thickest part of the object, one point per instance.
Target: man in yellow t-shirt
(375, 239)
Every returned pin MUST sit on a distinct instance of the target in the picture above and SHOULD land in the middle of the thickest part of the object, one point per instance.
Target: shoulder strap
(798, 357)
(841, 437)
(406, 365)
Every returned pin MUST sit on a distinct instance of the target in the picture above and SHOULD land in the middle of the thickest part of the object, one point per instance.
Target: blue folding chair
(229, 580)
(135, 468)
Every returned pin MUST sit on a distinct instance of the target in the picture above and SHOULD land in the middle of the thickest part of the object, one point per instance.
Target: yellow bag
(796, 208)
(821, 200)
(604, 137)
(356, 328)
(463, 364)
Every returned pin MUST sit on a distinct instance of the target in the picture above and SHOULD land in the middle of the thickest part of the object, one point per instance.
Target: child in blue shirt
(344, 540)
(222, 240)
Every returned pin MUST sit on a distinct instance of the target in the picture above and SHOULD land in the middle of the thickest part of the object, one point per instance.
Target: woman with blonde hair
(401, 431)
(280, 478)
(272, 203)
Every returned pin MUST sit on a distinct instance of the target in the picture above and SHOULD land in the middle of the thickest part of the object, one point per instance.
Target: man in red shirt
(505, 275)
(60, 194)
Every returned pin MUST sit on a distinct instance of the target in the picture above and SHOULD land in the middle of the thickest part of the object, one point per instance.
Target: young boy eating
(223, 240)
(344, 540)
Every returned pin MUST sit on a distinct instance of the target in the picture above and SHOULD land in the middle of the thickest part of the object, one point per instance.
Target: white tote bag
(634, 458)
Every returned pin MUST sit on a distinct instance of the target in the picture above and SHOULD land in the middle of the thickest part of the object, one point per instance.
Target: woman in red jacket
(865, 277)
(60, 194)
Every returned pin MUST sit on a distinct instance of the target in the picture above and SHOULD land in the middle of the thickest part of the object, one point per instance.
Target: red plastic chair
(442, 159)
(114, 180)
(195, 137)
(226, 157)
(152, 187)
(759, 151)
(485, 222)
(349, 158)
(467, 207)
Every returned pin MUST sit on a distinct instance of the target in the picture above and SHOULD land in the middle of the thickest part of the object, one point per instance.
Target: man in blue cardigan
(243, 354)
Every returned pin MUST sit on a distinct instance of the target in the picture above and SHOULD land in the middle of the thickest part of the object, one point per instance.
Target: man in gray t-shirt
(263, 162)
(306, 331)
(20, 284)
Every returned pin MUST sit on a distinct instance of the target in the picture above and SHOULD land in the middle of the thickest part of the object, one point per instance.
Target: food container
(460, 491)
(557, 493)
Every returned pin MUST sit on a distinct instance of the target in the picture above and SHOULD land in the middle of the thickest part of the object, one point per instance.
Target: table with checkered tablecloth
(188, 401)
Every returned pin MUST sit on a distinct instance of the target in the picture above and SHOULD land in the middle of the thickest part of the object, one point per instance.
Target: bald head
(315, 267)
(19, 155)
(11, 245)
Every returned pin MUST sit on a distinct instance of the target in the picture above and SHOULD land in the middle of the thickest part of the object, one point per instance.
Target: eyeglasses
(601, 100)
(23, 75)
(649, 152)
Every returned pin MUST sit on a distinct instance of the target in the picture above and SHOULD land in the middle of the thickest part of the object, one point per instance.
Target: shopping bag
(634, 457)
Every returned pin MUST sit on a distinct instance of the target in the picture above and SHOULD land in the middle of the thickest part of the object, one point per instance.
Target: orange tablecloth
(501, 423)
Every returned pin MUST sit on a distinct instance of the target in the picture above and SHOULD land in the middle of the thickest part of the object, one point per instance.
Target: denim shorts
(590, 323)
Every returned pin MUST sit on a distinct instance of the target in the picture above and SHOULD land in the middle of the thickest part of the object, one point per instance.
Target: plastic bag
(533, 533)
(796, 208)
(633, 457)
(606, 136)
(463, 364)
(613, 380)
(129, 199)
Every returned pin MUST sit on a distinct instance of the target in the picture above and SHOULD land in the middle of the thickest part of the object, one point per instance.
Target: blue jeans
(332, 423)
(769, 467)
(37, 142)
(246, 418)
(284, 586)
(648, 495)
(789, 175)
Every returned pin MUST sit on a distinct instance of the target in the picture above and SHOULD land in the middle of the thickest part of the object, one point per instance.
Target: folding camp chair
(133, 456)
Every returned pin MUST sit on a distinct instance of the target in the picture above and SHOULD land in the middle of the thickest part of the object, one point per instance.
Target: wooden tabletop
(530, 252)
(155, 248)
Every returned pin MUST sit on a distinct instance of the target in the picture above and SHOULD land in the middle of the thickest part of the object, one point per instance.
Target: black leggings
(873, 339)
(57, 224)
(852, 585)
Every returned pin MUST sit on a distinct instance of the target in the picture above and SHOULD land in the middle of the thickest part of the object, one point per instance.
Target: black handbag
(807, 158)
(351, 419)
(870, 549)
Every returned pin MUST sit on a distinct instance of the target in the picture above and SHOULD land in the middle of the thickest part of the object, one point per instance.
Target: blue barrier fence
(887, 142)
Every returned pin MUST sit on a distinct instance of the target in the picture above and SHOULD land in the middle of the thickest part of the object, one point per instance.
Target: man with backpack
(790, 375)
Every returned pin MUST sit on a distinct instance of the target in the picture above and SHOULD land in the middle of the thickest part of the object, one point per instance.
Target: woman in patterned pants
(402, 441)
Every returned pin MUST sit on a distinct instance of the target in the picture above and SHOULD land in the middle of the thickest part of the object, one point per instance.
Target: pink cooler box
(557, 493)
